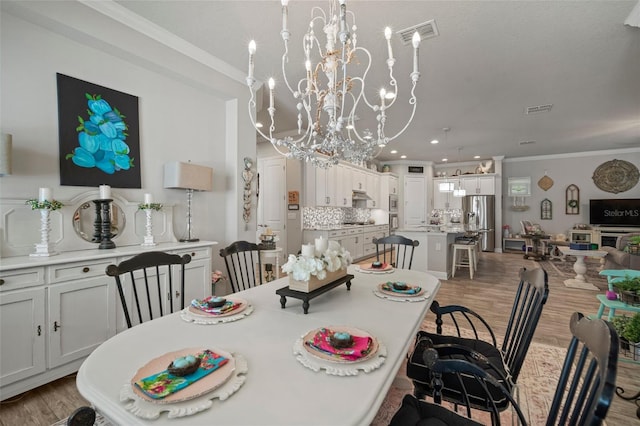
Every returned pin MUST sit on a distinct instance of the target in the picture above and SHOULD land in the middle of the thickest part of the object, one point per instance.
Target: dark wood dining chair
(395, 250)
(150, 277)
(502, 362)
(583, 394)
(244, 265)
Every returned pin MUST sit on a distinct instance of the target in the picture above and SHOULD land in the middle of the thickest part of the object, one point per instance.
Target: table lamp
(179, 175)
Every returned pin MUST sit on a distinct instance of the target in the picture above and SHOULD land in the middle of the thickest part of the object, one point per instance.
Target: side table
(271, 254)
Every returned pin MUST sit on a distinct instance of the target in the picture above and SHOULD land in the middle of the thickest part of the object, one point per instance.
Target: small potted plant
(631, 334)
(628, 290)
(633, 245)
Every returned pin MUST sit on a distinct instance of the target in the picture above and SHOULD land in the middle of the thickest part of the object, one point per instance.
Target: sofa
(618, 258)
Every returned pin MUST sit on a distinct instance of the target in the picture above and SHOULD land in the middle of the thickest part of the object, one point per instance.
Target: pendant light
(460, 192)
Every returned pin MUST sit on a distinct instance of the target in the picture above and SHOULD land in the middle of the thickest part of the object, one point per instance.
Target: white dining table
(278, 389)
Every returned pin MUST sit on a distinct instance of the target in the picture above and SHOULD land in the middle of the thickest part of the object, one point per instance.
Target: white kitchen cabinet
(478, 185)
(343, 183)
(23, 329)
(446, 200)
(358, 179)
(388, 186)
(320, 186)
(373, 190)
(415, 197)
(55, 311)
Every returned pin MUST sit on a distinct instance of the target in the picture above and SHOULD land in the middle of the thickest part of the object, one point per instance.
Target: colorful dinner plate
(400, 293)
(327, 357)
(203, 386)
(242, 307)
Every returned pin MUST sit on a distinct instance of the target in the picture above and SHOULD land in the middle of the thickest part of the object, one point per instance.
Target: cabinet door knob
(1, 281)
(177, 293)
(39, 330)
(86, 269)
(193, 254)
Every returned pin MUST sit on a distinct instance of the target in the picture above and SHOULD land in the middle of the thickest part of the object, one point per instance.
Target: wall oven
(393, 223)
(393, 203)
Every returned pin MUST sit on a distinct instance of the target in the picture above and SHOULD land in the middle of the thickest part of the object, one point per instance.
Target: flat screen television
(611, 212)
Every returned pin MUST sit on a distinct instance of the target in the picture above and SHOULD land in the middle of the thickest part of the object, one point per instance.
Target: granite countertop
(339, 226)
(434, 229)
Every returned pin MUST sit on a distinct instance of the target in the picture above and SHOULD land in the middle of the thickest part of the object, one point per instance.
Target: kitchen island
(433, 255)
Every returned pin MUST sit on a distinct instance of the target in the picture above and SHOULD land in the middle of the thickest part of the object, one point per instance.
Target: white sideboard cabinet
(54, 311)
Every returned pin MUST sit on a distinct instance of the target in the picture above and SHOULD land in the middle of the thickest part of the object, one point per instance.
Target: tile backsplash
(314, 217)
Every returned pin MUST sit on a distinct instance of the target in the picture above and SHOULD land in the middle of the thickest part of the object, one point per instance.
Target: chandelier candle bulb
(252, 51)
(387, 35)
(44, 194)
(416, 42)
(148, 199)
(285, 15)
(272, 85)
(105, 192)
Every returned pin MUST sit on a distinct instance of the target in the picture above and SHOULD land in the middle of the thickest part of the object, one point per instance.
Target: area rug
(536, 386)
(564, 271)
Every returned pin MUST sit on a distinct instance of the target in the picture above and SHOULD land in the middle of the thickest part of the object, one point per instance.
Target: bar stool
(466, 258)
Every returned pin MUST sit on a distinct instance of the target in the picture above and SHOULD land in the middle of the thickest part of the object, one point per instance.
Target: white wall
(187, 109)
(564, 170)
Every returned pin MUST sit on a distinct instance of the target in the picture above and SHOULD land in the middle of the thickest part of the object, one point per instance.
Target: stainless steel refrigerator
(479, 215)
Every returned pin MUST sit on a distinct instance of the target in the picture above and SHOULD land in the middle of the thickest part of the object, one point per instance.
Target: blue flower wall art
(102, 145)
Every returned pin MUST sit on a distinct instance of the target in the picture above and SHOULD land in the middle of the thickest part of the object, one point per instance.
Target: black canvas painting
(98, 135)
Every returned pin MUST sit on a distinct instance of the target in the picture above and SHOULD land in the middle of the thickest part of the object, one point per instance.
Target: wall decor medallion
(545, 182)
(616, 176)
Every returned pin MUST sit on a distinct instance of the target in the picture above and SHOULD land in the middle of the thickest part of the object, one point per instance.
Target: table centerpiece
(317, 265)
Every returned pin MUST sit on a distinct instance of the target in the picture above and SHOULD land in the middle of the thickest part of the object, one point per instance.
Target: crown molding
(571, 155)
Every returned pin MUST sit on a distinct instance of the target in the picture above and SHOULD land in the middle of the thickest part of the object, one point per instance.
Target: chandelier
(329, 97)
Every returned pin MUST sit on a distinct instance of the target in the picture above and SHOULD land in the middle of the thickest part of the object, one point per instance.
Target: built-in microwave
(393, 203)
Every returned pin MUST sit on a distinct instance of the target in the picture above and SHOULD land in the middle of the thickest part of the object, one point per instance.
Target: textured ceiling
(491, 61)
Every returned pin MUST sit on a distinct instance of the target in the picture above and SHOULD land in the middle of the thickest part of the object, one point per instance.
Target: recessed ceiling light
(526, 142)
(435, 141)
(258, 124)
(445, 159)
(393, 151)
(403, 156)
(476, 156)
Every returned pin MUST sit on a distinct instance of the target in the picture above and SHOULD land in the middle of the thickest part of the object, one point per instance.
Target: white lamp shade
(188, 176)
(5, 154)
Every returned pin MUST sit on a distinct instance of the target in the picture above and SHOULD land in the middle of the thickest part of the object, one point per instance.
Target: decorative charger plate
(221, 384)
(381, 289)
(616, 176)
(315, 361)
(370, 270)
(400, 297)
(197, 316)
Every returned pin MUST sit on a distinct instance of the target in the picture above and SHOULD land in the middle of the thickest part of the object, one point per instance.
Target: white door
(415, 201)
(272, 201)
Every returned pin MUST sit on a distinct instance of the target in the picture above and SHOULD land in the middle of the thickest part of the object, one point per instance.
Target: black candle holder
(97, 223)
(103, 224)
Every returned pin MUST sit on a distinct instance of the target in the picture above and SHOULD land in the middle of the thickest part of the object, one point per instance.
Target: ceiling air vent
(426, 30)
(538, 108)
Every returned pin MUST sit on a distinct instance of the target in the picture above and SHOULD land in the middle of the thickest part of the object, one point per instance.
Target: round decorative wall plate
(616, 176)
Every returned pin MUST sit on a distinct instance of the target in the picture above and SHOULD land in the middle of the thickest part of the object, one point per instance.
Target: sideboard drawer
(73, 271)
(21, 278)
(196, 254)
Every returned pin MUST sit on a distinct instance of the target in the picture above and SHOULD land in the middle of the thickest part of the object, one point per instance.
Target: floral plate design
(370, 270)
(197, 316)
(317, 361)
(221, 384)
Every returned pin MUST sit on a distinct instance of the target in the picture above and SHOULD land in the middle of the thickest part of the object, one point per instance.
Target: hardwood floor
(490, 294)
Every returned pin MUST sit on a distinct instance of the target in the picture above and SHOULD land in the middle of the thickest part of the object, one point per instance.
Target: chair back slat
(139, 271)
(244, 265)
(531, 296)
(399, 250)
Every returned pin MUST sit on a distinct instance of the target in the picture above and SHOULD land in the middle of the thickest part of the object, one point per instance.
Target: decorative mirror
(572, 199)
(546, 212)
(84, 221)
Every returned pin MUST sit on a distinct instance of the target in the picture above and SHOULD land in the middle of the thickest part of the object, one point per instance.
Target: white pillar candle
(308, 250)
(105, 192)
(148, 199)
(44, 194)
(321, 245)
